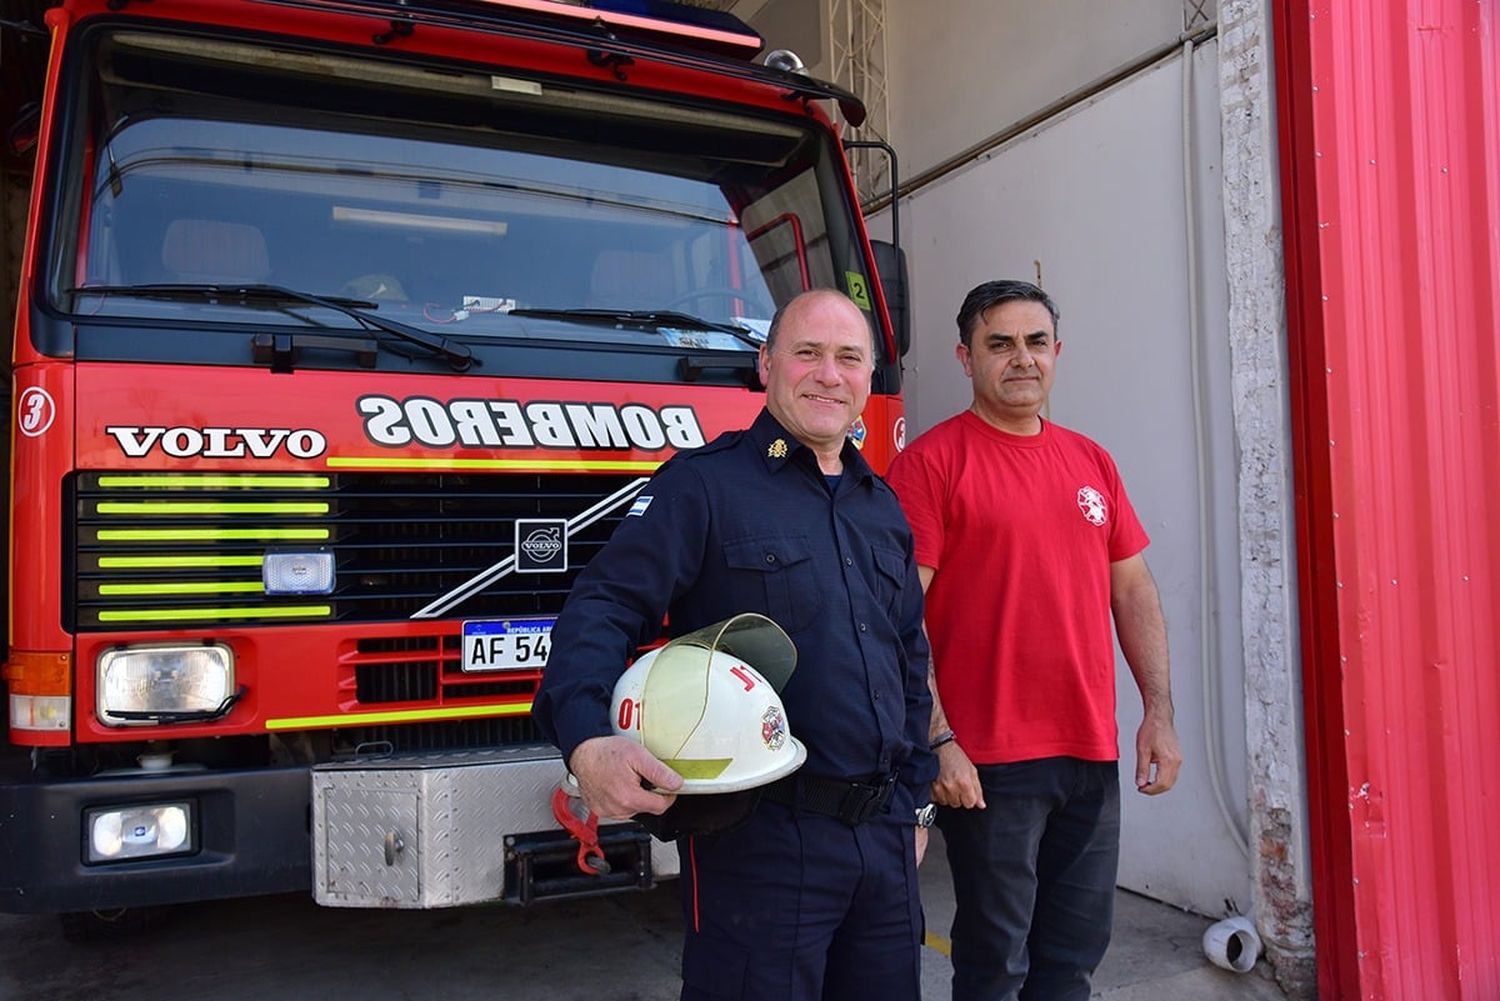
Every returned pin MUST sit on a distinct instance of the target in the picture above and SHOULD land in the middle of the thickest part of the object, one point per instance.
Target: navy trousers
(796, 906)
(1034, 879)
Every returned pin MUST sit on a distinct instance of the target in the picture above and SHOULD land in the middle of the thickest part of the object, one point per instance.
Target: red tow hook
(591, 861)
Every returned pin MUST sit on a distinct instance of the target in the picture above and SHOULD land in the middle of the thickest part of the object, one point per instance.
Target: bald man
(814, 896)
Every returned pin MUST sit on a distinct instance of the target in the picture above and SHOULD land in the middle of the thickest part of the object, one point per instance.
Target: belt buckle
(852, 803)
(862, 801)
(879, 796)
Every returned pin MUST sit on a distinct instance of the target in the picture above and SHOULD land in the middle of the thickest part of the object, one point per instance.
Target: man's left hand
(1156, 745)
(921, 844)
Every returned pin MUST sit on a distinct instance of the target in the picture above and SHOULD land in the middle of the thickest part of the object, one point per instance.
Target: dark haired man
(1026, 545)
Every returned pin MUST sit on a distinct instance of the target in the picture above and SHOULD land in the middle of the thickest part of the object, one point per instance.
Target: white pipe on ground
(1232, 944)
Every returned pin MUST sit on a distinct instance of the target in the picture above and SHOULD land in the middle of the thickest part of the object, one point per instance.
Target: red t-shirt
(1021, 531)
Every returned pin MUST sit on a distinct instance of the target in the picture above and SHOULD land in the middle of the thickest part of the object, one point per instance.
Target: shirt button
(877, 695)
(863, 628)
(848, 562)
(770, 557)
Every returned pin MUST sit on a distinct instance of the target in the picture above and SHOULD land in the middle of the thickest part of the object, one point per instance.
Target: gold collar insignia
(777, 449)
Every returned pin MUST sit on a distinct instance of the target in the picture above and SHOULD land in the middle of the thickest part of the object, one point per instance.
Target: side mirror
(890, 263)
(22, 134)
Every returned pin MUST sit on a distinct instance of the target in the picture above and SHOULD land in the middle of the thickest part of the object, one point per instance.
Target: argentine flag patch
(639, 507)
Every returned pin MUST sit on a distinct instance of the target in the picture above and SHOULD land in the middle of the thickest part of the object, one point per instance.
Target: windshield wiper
(458, 355)
(644, 318)
(166, 716)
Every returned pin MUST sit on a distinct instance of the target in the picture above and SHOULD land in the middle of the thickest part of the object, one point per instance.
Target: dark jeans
(1034, 879)
(795, 906)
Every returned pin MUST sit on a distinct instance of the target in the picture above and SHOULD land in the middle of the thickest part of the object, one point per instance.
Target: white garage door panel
(1095, 200)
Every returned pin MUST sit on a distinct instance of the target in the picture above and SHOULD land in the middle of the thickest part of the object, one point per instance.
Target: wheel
(114, 925)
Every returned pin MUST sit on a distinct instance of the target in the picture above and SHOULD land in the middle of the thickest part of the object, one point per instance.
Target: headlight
(162, 679)
(298, 573)
(126, 832)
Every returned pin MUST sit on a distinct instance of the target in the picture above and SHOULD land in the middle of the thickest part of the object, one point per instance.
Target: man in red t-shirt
(1026, 546)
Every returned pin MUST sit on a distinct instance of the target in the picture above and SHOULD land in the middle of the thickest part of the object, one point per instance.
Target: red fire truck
(346, 331)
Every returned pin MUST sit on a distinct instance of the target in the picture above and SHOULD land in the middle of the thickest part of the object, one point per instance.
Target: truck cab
(346, 331)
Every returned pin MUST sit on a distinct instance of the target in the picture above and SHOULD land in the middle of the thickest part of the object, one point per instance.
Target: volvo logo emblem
(541, 545)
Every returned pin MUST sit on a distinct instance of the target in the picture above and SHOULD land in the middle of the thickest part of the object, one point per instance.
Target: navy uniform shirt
(747, 523)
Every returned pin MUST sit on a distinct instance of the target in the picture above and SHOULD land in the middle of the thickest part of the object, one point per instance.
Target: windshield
(463, 203)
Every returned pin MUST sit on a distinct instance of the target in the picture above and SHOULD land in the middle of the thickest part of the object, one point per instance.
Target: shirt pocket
(782, 568)
(890, 580)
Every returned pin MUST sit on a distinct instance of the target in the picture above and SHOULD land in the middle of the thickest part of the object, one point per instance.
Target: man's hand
(957, 783)
(609, 772)
(1156, 745)
(921, 844)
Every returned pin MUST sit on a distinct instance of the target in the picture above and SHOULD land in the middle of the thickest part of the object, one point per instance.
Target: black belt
(851, 802)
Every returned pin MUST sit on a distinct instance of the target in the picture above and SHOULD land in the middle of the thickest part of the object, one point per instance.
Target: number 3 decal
(35, 411)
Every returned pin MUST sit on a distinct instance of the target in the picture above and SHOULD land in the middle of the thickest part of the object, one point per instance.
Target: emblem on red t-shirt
(1091, 503)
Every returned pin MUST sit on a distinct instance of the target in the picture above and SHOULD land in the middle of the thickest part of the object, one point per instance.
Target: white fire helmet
(707, 705)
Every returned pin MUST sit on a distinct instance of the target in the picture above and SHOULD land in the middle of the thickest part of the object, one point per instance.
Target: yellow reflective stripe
(398, 716)
(174, 560)
(698, 768)
(212, 507)
(206, 534)
(210, 481)
(198, 614)
(938, 944)
(187, 587)
(513, 465)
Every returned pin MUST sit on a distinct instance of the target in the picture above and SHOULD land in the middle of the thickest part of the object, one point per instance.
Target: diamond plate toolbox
(430, 831)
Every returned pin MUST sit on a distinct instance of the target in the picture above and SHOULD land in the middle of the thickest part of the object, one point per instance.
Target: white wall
(959, 70)
(1094, 201)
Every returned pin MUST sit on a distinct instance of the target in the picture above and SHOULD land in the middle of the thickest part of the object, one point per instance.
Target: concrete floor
(621, 948)
(1155, 954)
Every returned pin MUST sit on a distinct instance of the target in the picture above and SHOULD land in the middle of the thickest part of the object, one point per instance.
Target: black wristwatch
(926, 815)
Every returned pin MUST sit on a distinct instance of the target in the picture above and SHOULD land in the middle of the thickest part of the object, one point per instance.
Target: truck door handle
(394, 846)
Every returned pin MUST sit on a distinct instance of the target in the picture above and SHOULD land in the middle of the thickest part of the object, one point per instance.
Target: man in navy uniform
(814, 896)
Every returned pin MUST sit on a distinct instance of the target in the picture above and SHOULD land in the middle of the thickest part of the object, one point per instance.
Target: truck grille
(167, 550)
(413, 669)
(462, 735)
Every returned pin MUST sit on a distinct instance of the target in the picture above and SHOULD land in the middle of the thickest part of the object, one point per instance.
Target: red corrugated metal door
(1390, 131)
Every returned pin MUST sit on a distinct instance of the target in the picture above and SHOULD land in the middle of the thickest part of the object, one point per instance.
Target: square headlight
(142, 830)
(138, 681)
(309, 572)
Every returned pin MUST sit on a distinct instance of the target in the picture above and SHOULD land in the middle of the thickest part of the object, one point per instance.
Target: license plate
(506, 644)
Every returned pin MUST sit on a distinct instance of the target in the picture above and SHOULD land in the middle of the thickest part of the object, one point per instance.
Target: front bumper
(472, 827)
(252, 839)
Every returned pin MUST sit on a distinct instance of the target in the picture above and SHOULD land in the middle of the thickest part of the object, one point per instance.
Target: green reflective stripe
(208, 481)
(211, 507)
(398, 716)
(195, 614)
(698, 768)
(187, 587)
(174, 560)
(207, 534)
